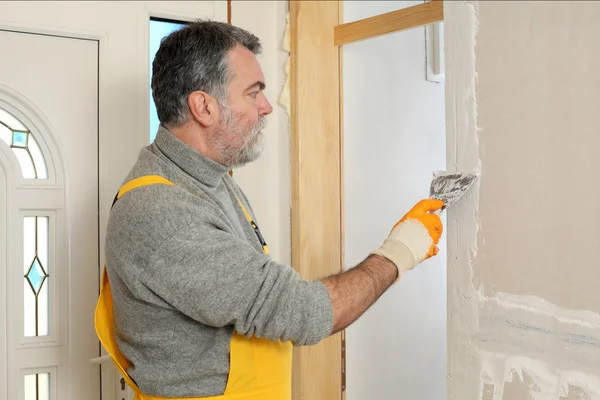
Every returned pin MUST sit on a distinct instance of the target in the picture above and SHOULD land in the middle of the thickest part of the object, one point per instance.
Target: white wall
(394, 138)
(266, 182)
(522, 106)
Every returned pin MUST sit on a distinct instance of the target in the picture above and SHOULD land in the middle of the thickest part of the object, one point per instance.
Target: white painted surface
(67, 131)
(522, 104)
(121, 31)
(3, 284)
(434, 40)
(394, 138)
(266, 181)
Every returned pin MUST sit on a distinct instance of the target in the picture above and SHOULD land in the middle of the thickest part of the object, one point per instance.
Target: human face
(239, 138)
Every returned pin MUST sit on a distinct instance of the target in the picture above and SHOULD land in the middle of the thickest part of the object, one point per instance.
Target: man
(200, 309)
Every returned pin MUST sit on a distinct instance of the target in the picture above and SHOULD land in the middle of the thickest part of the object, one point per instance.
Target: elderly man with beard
(191, 305)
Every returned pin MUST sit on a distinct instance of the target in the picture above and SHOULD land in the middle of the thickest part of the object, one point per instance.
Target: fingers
(434, 226)
(428, 205)
(433, 251)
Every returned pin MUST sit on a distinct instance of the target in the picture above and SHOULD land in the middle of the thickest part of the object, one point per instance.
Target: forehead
(245, 66)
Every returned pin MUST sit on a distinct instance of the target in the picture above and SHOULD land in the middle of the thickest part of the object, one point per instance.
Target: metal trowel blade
(450, 186)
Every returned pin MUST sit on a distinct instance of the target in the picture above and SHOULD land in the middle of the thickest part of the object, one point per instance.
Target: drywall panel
(523, 319)
(266, 181)
(538, 91)
(394, 137)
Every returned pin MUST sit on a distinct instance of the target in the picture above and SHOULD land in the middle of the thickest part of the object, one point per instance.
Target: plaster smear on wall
(543, 380)
(528, 337)
(505, 346)
(462, 219)
(284, 97)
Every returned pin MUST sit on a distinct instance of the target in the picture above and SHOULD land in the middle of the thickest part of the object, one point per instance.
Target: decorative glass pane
(11, 120)
(27, 167)
(37, 387)
(5, 134)
(43, 305)
(43, 242)
(19, 139)
(29, 304)
(38, 158)
(24, 146)
(29, 237)
(37, 275)
(158, 28)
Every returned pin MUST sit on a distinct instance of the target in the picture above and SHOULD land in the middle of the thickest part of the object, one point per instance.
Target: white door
(74, 90)
(397, 349)
(49, 132)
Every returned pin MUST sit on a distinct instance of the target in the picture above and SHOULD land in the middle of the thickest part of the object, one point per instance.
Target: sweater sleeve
(218, 279)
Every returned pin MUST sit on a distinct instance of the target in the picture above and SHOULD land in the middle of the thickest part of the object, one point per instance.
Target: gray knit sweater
(186, 269)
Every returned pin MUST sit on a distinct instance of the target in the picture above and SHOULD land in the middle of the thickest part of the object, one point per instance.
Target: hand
(415, 237)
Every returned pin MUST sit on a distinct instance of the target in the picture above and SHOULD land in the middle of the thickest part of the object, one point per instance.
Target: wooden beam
(316, 178)
(406, 18)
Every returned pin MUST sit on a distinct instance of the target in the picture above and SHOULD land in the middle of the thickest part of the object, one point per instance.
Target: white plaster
(554, 346)
(550, 382)
(460, 24)
(284, 97)
(537, 305)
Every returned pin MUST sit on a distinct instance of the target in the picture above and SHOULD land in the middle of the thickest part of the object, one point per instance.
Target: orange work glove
(414, 238)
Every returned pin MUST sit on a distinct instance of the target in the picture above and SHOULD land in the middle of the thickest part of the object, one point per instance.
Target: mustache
(260, 125)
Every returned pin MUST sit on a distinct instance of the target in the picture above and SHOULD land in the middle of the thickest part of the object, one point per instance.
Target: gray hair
(195, 58)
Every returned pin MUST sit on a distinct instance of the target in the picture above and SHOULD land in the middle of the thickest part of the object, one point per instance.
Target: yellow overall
(260, 369)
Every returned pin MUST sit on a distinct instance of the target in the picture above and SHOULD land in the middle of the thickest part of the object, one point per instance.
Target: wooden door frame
(317, 33)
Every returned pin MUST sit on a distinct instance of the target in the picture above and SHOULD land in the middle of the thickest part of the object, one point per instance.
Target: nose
(265, 107)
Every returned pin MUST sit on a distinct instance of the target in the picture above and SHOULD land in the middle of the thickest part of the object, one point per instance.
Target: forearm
(352, 292)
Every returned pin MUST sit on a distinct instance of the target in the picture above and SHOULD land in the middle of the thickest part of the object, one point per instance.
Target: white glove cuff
(407, 245)
(415, 236)
(398, 254)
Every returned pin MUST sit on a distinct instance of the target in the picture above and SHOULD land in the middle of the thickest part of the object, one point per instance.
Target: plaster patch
(493, 340)
(284, 97)
(460, 25)
(549, 381)
(537, 305)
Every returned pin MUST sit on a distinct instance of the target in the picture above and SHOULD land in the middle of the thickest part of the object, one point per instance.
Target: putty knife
(450, 186)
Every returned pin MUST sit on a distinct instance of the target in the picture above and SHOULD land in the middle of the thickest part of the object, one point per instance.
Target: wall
(266, 182)
(522, 101)
(394, 138)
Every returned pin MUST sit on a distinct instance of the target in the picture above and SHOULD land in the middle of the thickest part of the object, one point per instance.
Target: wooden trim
(316, 178)
(343, 357)
(406, 18)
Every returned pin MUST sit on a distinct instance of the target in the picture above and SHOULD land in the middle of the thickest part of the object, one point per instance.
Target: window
(37, 276)
(24, 146)
(159, 28)
(37, 387)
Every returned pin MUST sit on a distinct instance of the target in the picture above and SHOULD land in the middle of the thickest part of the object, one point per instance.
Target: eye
(254, 94)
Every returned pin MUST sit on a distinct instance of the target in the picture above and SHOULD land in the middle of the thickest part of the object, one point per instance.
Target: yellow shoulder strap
(143, 181)
(157, 179)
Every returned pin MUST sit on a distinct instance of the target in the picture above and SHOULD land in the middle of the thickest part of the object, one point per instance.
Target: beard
(238, 142)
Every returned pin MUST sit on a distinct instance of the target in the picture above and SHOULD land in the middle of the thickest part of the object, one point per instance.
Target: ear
(202, 108)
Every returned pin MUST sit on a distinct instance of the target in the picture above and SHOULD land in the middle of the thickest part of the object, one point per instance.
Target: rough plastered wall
(523, 101)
